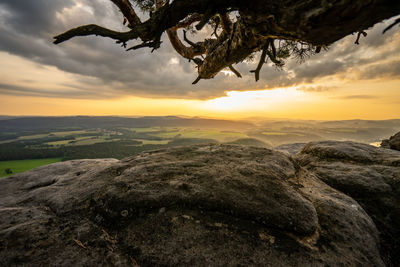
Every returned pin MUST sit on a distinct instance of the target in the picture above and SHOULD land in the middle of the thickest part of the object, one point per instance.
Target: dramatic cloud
(105, 69)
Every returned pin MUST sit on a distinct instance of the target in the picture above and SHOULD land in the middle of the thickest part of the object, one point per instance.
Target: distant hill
(6, 117)
(87, 122)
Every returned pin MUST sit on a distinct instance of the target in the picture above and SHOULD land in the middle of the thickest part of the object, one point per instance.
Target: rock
(394, 142)
(202, 205)
(368, 174)
(385, 143)
(291, 149)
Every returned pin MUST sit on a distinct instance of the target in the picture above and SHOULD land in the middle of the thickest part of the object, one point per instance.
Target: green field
(81, 140)
(68, 133)
(221, 136)
(152, 142)
(18, 166)
(148, 129)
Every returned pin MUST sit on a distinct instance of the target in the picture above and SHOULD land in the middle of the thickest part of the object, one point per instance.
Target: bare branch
(266, 20)
(128, 11)
(197, 80)
(187, 40)
(262, 60)
(215, 29)
(273, 49)
(359, 35)
(144, 44)
(93, 29)
(397, 21)
(235, 71)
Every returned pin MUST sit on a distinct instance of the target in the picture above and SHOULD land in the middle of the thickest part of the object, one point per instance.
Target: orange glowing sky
(93, 77)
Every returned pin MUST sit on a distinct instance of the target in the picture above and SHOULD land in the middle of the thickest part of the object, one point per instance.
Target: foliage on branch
(239, 28)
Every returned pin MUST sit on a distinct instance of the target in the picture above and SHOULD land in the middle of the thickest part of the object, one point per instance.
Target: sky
(95, 76)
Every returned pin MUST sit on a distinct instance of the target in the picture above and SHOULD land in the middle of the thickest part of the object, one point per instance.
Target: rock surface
(219, 205)
(291, 149)
(369, 175)
(392, 143)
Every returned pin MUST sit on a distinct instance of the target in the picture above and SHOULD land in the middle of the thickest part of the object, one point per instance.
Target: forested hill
(87, 122)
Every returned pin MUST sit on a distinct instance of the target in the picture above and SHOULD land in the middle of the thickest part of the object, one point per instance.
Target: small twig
(215, 29)
(237, 73)
(197, 80)
(397, 21)
(262, 60)
(144, 44)
(273, 59)
(123, 44)
(272, 44)
(79, 243)
(359, 35)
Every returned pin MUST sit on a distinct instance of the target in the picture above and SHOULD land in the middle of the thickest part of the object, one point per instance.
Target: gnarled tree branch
(315, 23)
(128, 12)
(93, 29)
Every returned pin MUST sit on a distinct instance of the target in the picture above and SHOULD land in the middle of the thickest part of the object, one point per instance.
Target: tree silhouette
(277, 28)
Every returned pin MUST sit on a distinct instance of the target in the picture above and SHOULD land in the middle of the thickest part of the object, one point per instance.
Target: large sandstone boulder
(291, 149)
(204, 205)
(394, 141)
(368, 174)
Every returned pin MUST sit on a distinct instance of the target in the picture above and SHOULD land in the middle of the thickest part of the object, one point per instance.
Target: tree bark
(315, 22)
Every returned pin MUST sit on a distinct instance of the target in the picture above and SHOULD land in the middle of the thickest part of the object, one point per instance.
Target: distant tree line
(116, 149)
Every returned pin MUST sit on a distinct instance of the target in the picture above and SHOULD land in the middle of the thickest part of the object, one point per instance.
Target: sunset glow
(346, 82)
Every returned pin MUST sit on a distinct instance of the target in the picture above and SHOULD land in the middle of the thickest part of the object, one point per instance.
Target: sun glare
(249, 100)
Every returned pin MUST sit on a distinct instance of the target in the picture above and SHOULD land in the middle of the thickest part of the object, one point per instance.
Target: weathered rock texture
(369, 175)
(291, 149)
(204, 205)
(392, 143)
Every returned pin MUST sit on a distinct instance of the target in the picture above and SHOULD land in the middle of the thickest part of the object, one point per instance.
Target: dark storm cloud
(27, 28)
(33, 16)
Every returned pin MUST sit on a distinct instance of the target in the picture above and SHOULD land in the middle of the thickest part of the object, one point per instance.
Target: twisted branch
(93, 29)
(247, 35)
(128, 12)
